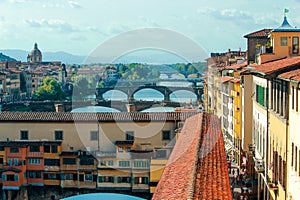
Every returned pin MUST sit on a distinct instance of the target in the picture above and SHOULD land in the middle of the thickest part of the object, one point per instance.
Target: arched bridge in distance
(132, 87)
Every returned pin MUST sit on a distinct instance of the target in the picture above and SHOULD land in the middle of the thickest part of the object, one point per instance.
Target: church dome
(35, 51)
(35, 55)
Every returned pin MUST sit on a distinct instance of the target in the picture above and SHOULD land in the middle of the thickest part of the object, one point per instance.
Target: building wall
(294, 138)
(277, 142)
(78, 136)
(252, 42)
(247, 111)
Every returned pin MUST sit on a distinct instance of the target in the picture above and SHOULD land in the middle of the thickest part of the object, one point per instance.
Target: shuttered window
(260, 95)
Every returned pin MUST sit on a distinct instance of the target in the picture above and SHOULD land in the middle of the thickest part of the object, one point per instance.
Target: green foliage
(50, 90)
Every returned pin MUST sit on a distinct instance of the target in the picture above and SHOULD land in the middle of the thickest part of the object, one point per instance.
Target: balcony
(35, 154)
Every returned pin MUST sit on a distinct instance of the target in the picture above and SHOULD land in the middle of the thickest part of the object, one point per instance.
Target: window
(9, 161)
(295, 45)
(34, 149)
(86, 161)
(71, 177)
(292, 155)
(94, 135)
(161, 153)
(1, 160)
(16, 161)
(58, 135)
(124, 163)
(102, 162)
(34, 161)
(141, 180)
(296, 160)
(23, 135)
(69, 161)
(47, 149)
(260, 95)
(124, 180)
(54, 148)
(106, 179)
(166, 135)
(14, 150)
(88, 177)
(129, 135)
(51, 176)
(120, 149)
(11, 177)
(141, 164)
(283, 41)
(34, 174)
(110, 163)
(2, 148)
(52, 162)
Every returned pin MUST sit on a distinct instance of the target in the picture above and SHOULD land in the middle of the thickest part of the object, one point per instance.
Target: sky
(80, 26)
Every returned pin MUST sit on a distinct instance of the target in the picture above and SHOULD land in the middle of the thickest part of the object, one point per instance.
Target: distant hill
(5, 57)
(64, 57)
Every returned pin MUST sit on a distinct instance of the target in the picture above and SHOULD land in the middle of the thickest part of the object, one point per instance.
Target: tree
(50, 90)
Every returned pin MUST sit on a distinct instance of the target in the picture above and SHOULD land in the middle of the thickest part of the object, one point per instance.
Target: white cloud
(74, 4)
(54, 25)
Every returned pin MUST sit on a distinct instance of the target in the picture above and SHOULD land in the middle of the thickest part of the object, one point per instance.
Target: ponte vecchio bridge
(132, 87)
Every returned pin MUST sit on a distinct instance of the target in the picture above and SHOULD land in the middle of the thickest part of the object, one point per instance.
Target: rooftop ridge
(88, 117)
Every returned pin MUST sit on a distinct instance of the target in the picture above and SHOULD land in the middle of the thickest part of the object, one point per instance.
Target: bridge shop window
(141, 180)
(69, 161)
(23, 135)
(50, 149)
(14, 150)
(52, 162)
(94, 135)
(34, 148)
(166, 135)
(124, 179)
(106, 179)
(58, 135)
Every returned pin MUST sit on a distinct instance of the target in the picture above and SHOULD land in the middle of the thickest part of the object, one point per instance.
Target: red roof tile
(236, 66)
(212, 180)
(197, 167)
(277, 66)
(235, 80)
(105, 117)
(292, 75)
(260, 33)
(225, 79)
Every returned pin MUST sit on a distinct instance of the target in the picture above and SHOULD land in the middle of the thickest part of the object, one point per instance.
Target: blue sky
(79, 26)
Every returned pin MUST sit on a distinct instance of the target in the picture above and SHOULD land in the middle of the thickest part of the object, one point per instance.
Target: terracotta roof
(260, 33)
(235, 80)
(225, 79)
(236, 66)
(277, 66)
(291, 75)
(212, 180)
(104, 117)
(197, 167)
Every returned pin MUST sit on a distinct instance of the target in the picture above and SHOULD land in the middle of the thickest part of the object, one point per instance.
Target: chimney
(59, 108)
